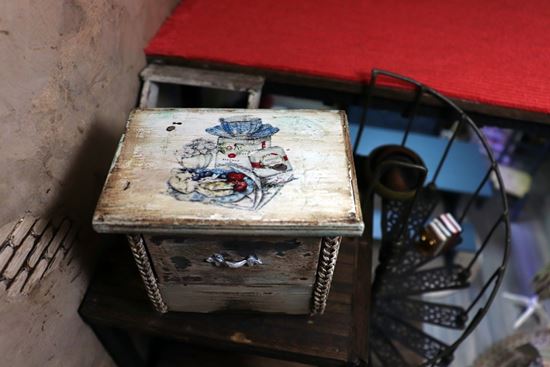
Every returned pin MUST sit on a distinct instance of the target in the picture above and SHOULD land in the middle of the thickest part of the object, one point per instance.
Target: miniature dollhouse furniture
(225, 211)
(118, 303)
(117, 308)
(155, 75)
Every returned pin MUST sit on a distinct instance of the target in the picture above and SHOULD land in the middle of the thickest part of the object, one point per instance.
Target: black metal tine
(368, 88)
(434, 313)
(484, 288)
(463, 118)
(491, 157)
(423, 173)
(398, 77)
(423, 281)
(481, 311)
(384, 166)
(509, 142)
(412, 113)
(377, 174)
(449, 352)
(496, 279)
(485, 242)
(447, 148)
(411, 337)
(443, 359)
(422, 178)
(385, 348)
(369, 194)
(476, 194)
(415, 259)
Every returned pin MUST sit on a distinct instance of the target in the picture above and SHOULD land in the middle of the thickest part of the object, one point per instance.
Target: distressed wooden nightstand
(233, 209)
(118, 310)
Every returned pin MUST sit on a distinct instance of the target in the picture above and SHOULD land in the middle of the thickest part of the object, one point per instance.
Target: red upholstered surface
(492, 51)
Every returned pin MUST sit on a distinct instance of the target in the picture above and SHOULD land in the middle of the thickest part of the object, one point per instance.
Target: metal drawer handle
(219, 260)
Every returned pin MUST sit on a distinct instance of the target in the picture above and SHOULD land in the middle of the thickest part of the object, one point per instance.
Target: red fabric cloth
(492, 51)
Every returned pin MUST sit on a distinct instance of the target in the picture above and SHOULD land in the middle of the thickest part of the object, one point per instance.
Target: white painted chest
(233, 209)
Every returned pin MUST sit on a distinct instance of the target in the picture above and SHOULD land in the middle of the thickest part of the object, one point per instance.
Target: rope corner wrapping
(325, 271)
(146, 271)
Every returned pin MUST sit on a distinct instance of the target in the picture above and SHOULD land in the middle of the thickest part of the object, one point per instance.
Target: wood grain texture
(179, 75)
(284, 261)
(287, 299)
(282, 283)
(202, 78)
(116, 298)
(322, 200)
(172, 354)
(362, 287)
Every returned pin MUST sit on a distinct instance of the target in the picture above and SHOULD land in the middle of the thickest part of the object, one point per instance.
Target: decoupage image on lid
(222, 171)
(240, 169)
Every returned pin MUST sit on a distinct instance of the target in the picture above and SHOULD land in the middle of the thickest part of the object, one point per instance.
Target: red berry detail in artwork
(231, 155)
(240, 186)
(235, 176)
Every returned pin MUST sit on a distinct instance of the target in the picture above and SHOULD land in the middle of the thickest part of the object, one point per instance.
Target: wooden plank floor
(176, 354)
(116, 298)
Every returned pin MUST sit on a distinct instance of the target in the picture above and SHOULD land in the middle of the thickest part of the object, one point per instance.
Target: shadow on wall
(81, 186)
(82, 183)
(42, 309)
(33, 247)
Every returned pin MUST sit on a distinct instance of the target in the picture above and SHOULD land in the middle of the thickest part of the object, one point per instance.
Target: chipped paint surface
(281, 283)
(321, 199)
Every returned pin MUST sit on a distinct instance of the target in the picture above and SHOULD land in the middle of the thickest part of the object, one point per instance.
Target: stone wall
(69, 78)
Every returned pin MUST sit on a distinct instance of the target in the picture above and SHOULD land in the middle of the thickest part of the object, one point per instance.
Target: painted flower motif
(182, 182)
(230, 182)
(242, 127)
(197, 147)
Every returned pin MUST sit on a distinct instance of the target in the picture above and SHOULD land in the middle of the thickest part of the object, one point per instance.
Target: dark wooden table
(116, 307)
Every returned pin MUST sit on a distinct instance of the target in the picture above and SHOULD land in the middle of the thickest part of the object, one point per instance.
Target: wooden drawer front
(284, 261)
(282, 283)
(280, 298)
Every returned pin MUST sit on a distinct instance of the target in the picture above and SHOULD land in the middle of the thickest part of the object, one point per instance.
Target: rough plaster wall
(69, 76)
